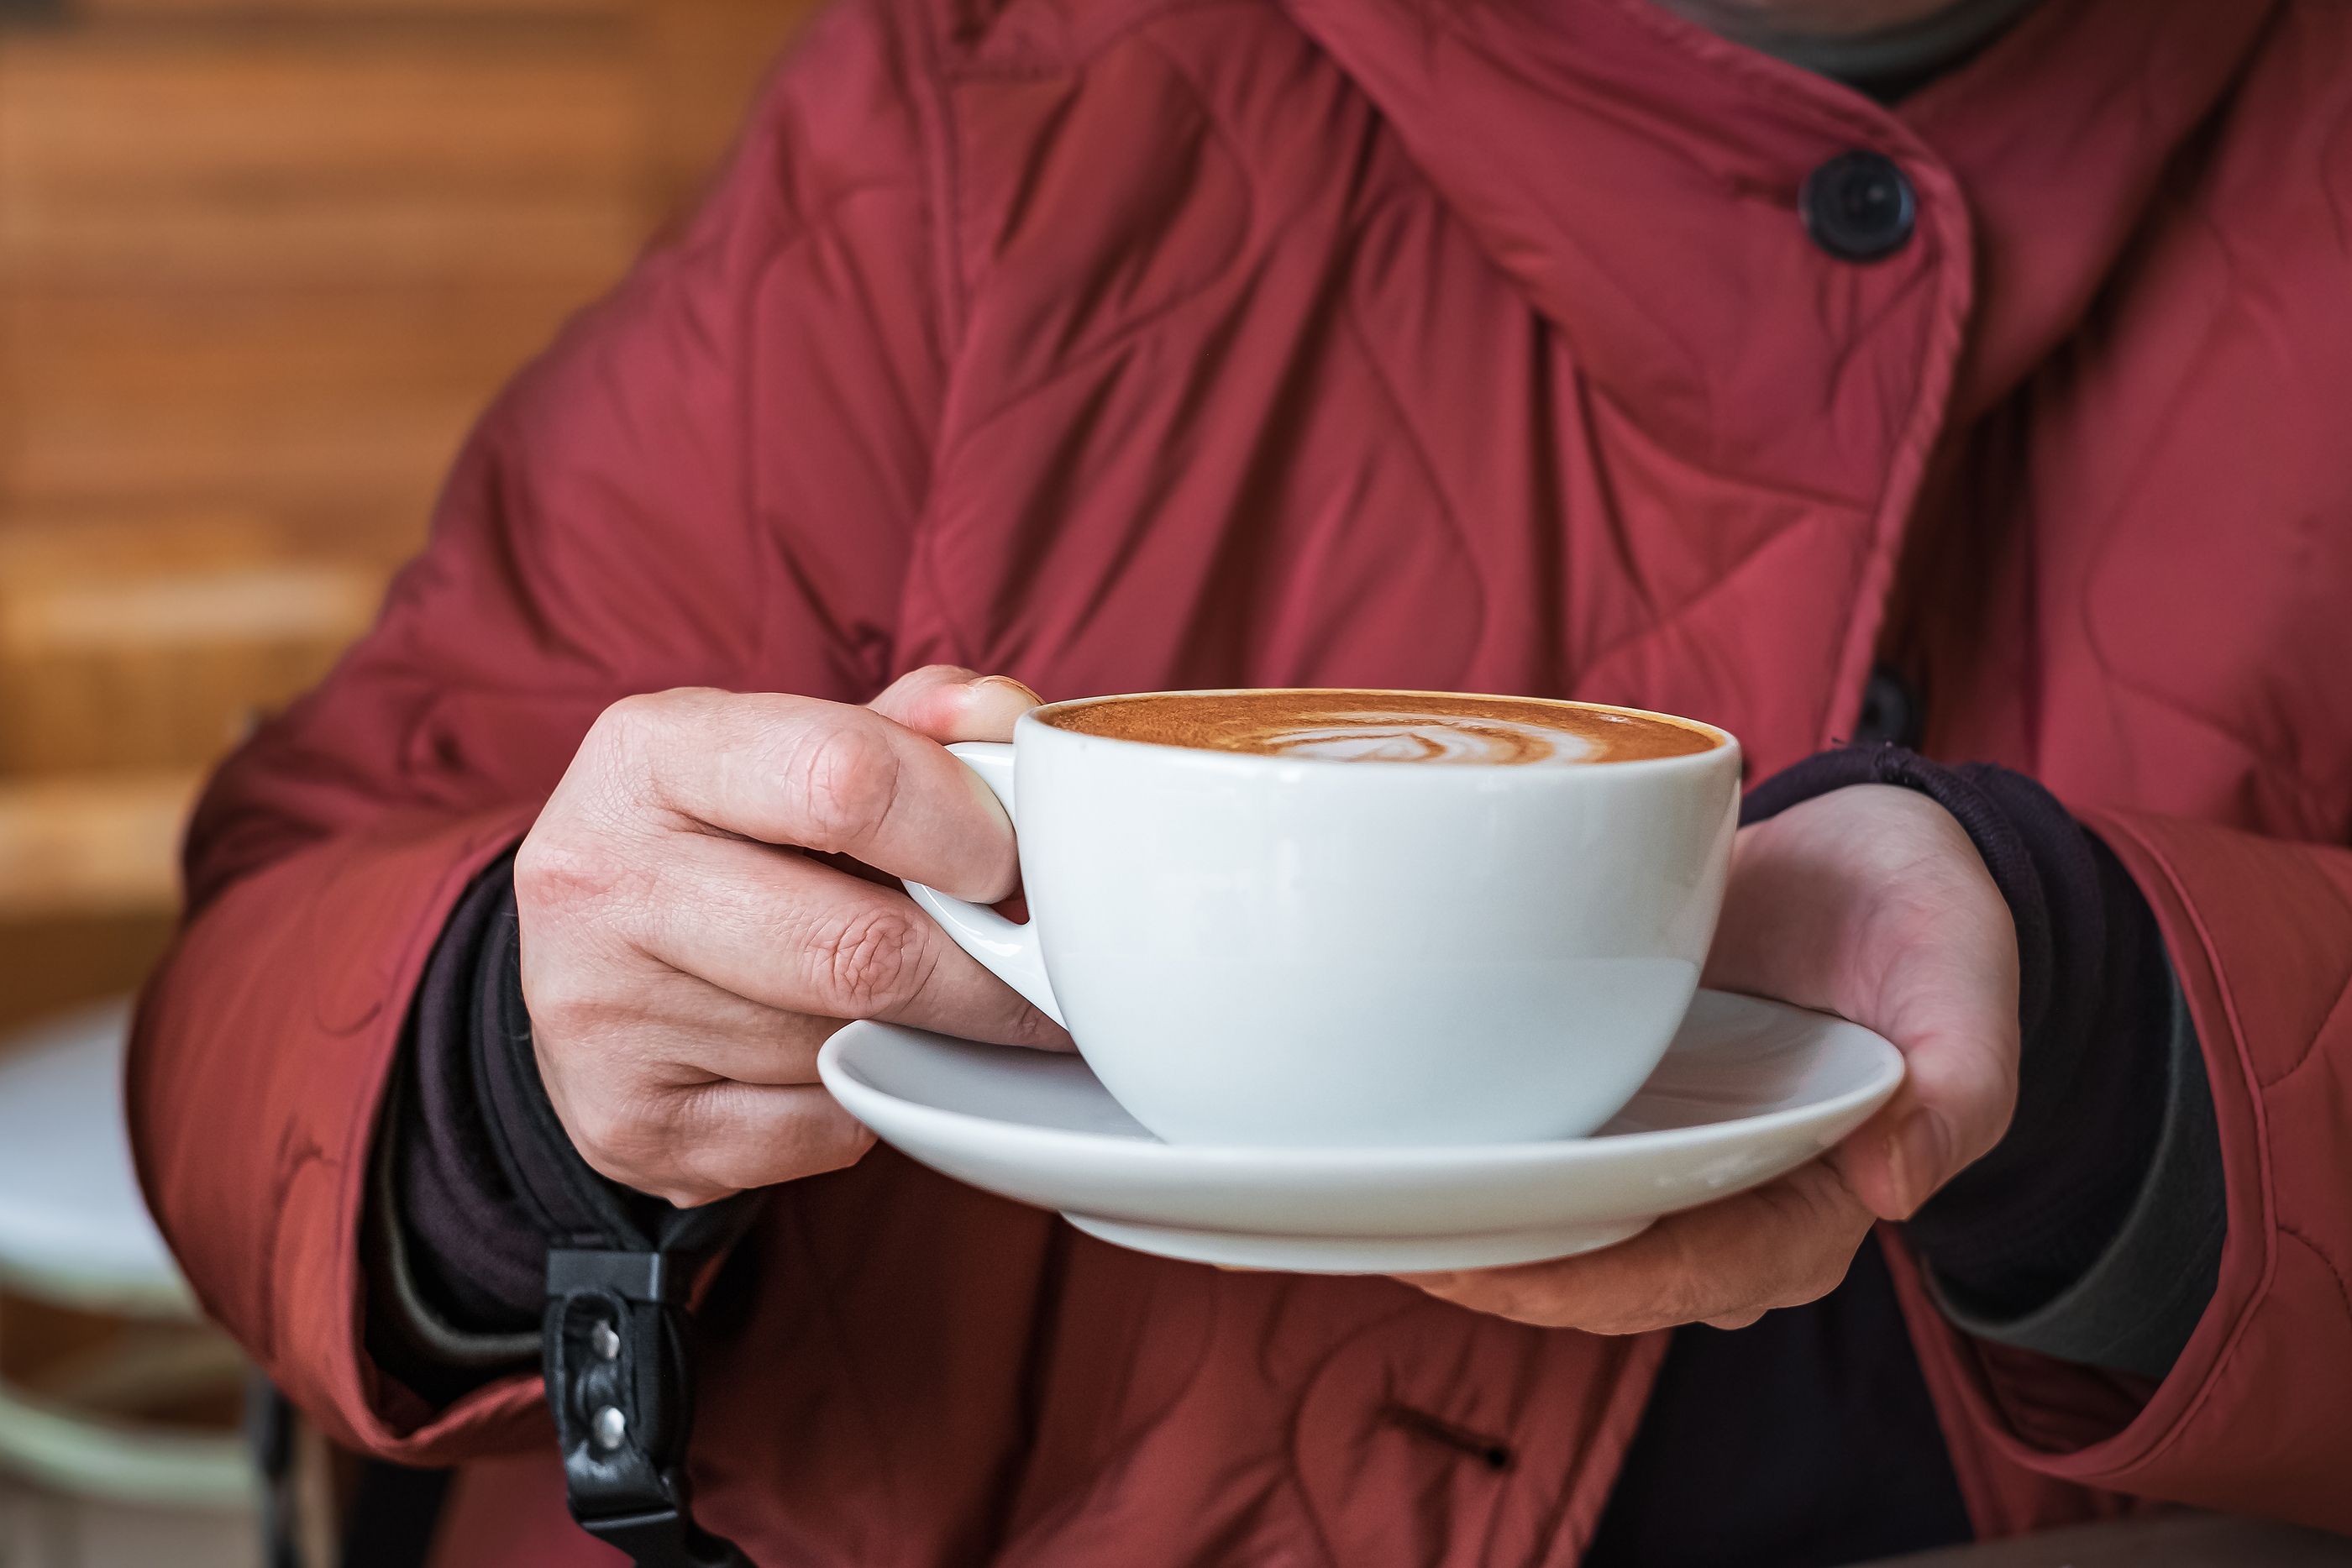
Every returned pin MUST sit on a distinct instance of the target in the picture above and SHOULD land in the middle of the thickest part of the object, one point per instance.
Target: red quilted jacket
(1121, 344)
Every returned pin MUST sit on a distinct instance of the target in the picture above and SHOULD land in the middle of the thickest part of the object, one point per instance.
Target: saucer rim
(1884, 1079)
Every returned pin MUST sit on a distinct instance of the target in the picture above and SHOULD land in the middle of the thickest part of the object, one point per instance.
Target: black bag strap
(619, 1382)
(616, 1344)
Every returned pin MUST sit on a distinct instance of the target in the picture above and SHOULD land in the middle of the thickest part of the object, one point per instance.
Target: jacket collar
(1637, 178)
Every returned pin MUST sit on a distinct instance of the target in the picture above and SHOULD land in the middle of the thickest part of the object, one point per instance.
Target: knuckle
(624, 1135)
(626, 727)
(843, 776)
(554, 869)
(688, 1193)
(561, 1002)
(630, 737)
(868, 963)
(600, 1127)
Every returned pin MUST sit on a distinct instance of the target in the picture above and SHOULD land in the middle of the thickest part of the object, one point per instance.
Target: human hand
(1870, 903)
(685, 952)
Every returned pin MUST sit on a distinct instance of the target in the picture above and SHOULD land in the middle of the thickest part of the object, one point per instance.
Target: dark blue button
(1892, 713)
(1859, 207)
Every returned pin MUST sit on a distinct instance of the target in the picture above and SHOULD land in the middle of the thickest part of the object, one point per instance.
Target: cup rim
(1726, 743)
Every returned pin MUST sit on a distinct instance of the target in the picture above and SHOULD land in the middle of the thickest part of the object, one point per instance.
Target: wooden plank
(285, 155)
(707, 59)
(50, 962)
(338, 236)
(166, 614)
(92, 847)
(131, 110)
(351, 398)
(156, 645)
(344, 10)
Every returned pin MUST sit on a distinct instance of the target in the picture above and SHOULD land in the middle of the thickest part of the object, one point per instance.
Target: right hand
(685, 952)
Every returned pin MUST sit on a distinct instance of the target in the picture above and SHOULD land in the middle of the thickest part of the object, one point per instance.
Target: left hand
(1870, 903)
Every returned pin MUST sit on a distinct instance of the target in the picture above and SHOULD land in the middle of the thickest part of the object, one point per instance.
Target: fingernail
(1021, 687)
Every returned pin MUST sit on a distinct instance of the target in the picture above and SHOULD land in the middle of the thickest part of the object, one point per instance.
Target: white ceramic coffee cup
(1272, 950)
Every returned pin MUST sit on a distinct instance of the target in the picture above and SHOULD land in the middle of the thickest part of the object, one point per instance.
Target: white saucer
(1748, 1089)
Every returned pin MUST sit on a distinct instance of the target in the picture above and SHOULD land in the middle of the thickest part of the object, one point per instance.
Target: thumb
(1960, 1087)
(1898, 1158)
(947, 703)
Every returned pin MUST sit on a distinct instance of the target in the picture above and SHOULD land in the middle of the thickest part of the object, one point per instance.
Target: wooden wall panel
(149, 647)
(221, 11)
(174, 110)
(262, 263)
(330, 402)
(707, 59)
(50, 961)
(323, 157)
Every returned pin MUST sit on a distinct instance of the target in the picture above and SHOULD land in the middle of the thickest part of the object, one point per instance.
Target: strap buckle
(618, 1386)
(650, 1277)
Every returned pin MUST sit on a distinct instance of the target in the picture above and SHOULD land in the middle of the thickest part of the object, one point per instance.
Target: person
(1954, 377)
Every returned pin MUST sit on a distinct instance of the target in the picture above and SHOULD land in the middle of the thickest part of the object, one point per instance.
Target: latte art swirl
(1415, 737)
(1358, 725)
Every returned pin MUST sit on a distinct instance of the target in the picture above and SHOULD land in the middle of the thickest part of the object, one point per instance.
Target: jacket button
(1892, 713)
(1859, 207)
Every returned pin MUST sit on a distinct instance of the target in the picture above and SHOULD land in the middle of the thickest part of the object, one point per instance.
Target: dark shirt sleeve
(474, 1177)
(2109, 1179)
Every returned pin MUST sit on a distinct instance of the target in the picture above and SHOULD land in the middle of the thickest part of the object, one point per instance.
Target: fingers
(684, 1092)
(816, 775)
(949, 703)
(686, 954)
(1779, 1244)
(676, 1028)
(740, 1136)
(695, 1143)
(792, 935)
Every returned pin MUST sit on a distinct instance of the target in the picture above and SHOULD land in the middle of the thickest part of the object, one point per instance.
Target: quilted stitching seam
(2338, 1012)
(2174, 892)
(2343, 1288)
(1419, 446)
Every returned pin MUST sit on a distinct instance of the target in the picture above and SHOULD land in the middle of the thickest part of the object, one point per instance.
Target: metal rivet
(604, 1340)
(607, 1427)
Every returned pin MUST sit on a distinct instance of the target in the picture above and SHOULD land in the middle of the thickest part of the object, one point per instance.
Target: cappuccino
(1274, 926)
(1349, 726)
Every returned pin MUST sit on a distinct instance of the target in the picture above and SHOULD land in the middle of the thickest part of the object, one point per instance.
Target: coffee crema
(1349, 726)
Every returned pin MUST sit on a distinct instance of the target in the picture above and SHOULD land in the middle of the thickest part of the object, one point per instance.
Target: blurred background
(261, 263)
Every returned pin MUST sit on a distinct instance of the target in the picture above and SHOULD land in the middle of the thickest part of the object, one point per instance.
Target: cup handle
(1006, 949)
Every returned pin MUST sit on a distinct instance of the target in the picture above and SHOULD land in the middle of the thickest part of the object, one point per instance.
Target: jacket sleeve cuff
(411, 1335)
(2134, 1308)
(2030, 1237)
(454, 1260)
